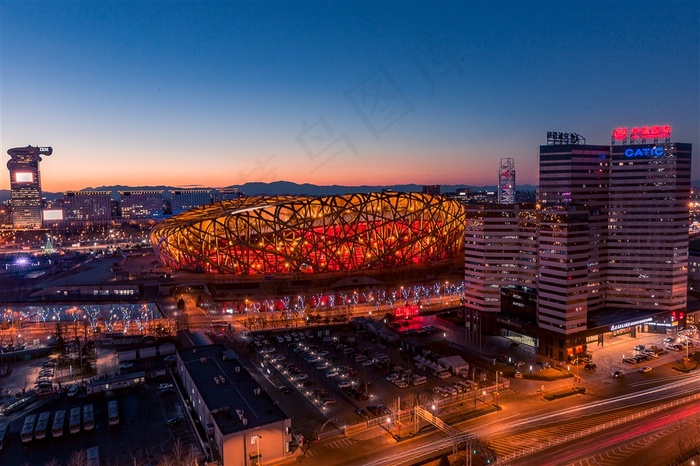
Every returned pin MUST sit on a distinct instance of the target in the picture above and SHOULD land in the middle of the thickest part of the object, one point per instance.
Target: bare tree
(53, 462)
(25, 383)
(167, 460)
(77, 458)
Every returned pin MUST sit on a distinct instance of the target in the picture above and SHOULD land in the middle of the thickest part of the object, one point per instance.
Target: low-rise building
(244, 425)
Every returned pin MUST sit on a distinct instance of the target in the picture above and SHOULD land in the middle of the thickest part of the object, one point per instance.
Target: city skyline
(353, 94)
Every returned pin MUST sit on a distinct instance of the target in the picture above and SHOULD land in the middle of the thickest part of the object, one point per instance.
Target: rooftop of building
(228, 389)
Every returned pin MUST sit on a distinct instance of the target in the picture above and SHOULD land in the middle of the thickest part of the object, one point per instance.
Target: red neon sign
(406, 311)
(642, 132)
(620, 134)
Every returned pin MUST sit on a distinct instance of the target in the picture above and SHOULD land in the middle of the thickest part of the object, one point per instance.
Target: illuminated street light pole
(257, 442)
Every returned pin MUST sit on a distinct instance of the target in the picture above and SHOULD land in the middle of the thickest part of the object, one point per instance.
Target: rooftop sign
(555, 138)
(641, 134)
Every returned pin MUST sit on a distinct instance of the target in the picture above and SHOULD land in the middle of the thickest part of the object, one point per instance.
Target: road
(572, 431)
(644, 440)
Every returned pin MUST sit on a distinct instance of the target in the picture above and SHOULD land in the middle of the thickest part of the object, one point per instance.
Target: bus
(74, 420)
(58, 422)
(28, 428)
(88, 417)
(113, 412)
(92, 455)
(41, 425)
(4, 431)
(29, 398)
(220, 326)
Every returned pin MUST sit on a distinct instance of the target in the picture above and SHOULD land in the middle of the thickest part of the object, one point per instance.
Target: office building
(25, 185)
(182, 200)
(580, 174)
(648, 224)
(500, 249)
(87, 207)
(136, 205)
(433, 189)
(227, 194)
(611, 238)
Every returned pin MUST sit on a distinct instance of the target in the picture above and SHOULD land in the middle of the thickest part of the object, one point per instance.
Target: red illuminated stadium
(286, 235)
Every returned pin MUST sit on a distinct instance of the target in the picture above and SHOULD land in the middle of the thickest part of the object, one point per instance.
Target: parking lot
(351, 376)
(141, 435)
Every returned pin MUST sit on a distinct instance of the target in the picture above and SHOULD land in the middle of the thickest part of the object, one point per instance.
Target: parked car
(174, 421)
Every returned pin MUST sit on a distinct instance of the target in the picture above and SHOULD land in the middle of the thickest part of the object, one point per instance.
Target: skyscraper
(579, 174)
(611, 235)
(25, 185)
(648, 221)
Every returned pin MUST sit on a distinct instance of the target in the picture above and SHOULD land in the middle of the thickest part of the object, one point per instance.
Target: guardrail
(592, 430)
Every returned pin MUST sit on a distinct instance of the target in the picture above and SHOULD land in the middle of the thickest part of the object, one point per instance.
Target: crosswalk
(317, 449)
(535, 387)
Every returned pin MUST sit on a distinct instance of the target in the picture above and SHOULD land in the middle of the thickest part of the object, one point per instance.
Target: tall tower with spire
(506, 182)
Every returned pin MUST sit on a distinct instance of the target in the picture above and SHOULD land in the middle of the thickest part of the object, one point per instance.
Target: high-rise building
(611, 240)
(648, 226)
(141, 204)
(87, 206)
(25, 185)
(186, 199)
(500, 249)
(562, 268)
(506, 182)
(580, 174)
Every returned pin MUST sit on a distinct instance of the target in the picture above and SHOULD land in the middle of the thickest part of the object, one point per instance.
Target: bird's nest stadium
(286, 235)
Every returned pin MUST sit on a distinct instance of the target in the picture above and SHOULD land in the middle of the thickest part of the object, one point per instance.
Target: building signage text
(642, 132)
(645, 152)
(629, 324)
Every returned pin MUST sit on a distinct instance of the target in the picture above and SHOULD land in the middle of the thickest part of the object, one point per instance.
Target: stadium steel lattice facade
(292, 234)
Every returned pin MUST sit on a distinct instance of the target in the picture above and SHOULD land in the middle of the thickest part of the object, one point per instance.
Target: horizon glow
(220, 94)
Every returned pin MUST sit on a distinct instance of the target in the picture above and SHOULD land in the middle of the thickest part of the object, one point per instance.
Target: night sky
(222, 93)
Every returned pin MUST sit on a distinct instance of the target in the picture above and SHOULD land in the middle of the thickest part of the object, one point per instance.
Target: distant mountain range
(279, 188)
(288, 187)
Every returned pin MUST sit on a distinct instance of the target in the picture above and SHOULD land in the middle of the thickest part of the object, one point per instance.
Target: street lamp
(257, 442)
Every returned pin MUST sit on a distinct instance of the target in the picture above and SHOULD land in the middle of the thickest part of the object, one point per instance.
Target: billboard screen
(24, 177)
(53, 214)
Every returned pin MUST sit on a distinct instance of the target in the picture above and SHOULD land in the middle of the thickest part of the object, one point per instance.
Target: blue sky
(220, 93)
